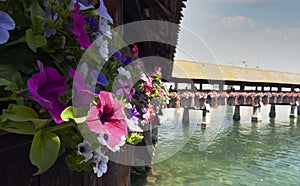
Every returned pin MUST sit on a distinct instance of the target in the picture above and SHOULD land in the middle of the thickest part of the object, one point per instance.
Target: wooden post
(221, 87)
(185, 116)
(272, 113)
(176, 85)
(292, 113)
(205, 116)
(236, 115)
(242, 87)
(256, 116)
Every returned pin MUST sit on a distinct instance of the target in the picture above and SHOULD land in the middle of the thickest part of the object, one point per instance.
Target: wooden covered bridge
(239, 78)
(198, 84)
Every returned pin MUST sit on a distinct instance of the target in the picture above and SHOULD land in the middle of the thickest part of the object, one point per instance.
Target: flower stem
(20, 40)
(56, 62)
(59, 127)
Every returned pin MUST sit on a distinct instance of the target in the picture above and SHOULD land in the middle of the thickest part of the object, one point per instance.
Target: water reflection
(229, 153)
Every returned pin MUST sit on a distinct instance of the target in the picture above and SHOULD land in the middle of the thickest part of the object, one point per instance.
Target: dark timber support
(292, 113)
(256, 116)
(205, 116)
(272, 113)
(236, 115)
(185, 116)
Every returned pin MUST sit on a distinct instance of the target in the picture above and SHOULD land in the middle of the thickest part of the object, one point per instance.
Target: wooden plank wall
(16, 169)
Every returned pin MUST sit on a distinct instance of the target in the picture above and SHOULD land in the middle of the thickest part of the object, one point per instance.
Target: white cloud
(247, 1)
(234, 1)
(239, 22)
(286, 33)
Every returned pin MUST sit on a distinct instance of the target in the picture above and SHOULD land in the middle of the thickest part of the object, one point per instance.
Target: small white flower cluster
(96, 156)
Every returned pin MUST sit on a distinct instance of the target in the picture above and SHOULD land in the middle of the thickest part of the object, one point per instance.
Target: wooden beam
(160, 9)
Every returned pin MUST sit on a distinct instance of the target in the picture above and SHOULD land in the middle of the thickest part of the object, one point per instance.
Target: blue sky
(263, 33)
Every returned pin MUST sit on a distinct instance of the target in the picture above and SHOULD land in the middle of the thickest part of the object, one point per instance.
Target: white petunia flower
(102, 46)
(85, 150)
(124, 72)
(101, 163)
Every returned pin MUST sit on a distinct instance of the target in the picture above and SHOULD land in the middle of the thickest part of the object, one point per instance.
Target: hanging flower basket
(68, 95)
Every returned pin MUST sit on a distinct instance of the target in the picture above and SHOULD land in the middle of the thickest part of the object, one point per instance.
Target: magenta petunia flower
(108, 118)
(83, 92)
(79, 28)
(46, 88)
(135, 51)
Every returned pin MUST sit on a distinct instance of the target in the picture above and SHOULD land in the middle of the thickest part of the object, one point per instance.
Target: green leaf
(35, 41)
(134, 138)
(17, 80)
(18, 127)
(75, 162)
(38, 16)
(40, 123)
(20, 113)
(4, 82)
(44, 150)
(69, 113)
(2, 119)
(6, 71)
(10, 86)
(10, 77)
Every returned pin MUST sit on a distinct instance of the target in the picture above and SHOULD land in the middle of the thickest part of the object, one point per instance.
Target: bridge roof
(184, 69)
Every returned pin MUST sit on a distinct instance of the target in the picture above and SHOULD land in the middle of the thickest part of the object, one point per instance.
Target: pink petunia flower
(79, 28)
(107, 119)
(135, 51)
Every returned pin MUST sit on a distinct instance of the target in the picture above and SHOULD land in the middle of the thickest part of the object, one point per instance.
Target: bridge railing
(197, 100)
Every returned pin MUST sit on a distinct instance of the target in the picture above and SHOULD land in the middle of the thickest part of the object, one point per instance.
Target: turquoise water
(227, 152)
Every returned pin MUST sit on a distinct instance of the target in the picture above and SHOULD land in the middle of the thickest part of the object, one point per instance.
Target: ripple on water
(228, 153)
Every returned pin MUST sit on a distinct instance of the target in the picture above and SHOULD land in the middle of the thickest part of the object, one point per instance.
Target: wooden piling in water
(236, 115)
(272, 113)
(256, 116)
(292, 113)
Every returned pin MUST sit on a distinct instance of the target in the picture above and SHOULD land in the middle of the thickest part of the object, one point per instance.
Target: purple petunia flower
(92, 22)
(99, 77)
(102, 10)
(6, 23)
(133, 119)
(79, 28)
(84, 4)
(104, 27)
(124, 59)
(49, 16)
(46, 88)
